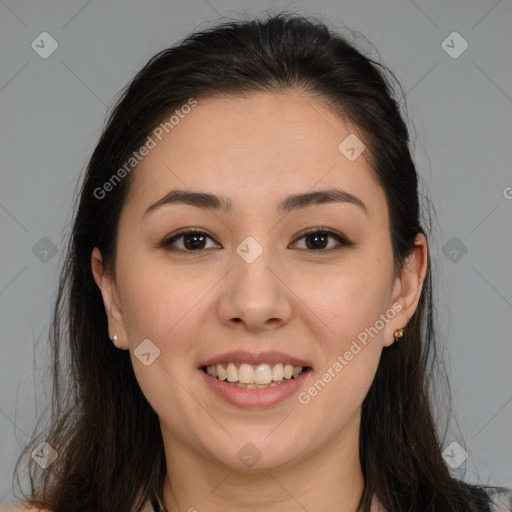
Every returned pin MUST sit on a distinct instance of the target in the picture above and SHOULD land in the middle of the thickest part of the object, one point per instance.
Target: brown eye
(192, 241)
(317, 239)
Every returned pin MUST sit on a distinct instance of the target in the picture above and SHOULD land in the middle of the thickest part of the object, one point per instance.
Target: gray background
(53, 109)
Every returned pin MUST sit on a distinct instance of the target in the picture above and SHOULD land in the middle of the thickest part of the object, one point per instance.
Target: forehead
(257, 149)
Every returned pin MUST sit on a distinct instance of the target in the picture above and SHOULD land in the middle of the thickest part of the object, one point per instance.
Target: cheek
(352, 301)
(157, 299)
(350, 353)
(355, 309)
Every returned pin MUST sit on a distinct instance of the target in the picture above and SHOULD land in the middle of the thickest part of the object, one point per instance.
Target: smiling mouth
(254, 376)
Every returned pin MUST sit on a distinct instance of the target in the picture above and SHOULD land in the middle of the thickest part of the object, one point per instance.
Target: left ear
(407, 287)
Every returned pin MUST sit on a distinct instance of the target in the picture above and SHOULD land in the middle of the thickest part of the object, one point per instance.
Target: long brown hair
(108, 438)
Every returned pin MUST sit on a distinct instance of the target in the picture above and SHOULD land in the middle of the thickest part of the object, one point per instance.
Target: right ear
(110, 295)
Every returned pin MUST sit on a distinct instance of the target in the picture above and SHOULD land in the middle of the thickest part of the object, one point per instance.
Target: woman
(246, 304)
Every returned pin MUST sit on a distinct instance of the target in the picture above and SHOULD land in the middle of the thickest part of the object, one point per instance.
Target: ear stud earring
(114, 340)
(398, 333)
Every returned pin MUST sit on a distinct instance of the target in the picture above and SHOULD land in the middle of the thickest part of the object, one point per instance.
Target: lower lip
(256, 397)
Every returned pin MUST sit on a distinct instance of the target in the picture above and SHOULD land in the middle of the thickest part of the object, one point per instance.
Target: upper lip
(241, 356)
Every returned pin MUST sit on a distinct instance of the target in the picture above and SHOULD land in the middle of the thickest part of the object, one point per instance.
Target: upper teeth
(248, 374)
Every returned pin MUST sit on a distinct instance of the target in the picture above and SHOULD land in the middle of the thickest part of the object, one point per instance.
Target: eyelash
(342, 240)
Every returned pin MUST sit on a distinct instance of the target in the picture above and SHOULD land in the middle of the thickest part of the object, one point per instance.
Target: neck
(330, 480)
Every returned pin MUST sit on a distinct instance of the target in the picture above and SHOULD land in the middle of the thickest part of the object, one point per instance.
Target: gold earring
(398, 333)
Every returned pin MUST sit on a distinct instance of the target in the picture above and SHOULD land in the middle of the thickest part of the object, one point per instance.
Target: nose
(255, 296)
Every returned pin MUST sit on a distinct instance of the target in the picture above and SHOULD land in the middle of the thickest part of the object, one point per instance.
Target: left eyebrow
(294, 202)
(332, 195)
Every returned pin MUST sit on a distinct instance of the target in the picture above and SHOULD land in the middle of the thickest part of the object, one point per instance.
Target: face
(253, 288)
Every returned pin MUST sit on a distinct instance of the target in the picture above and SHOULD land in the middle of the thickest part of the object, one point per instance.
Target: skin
(302, 301)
